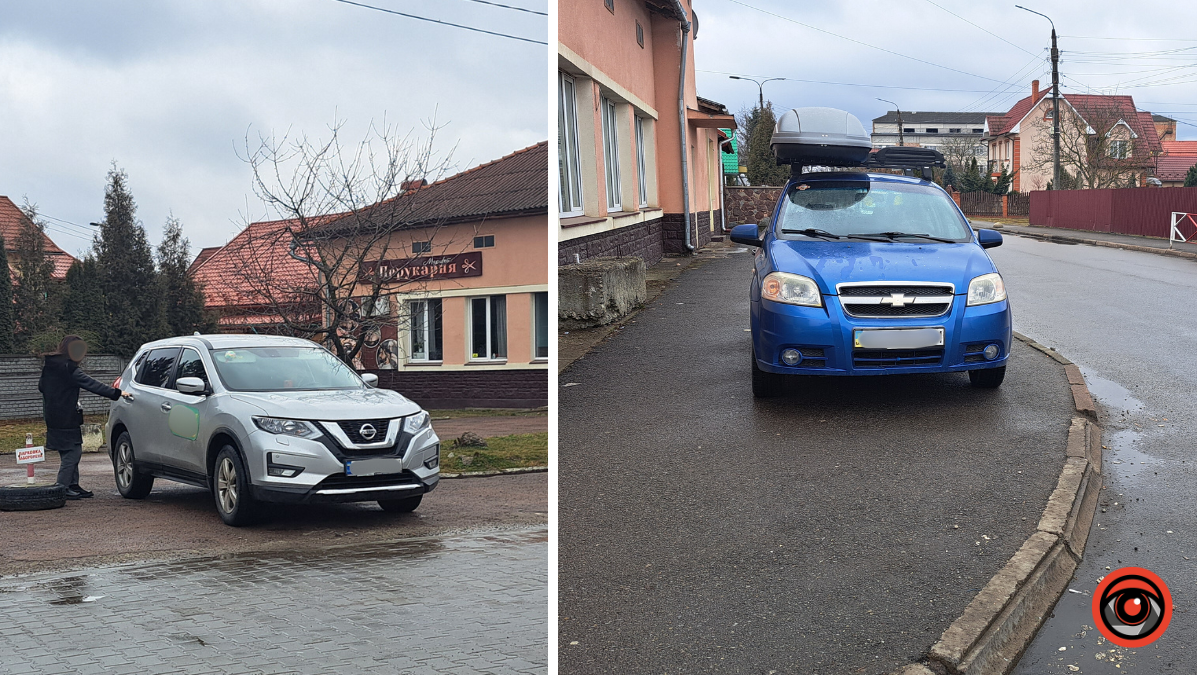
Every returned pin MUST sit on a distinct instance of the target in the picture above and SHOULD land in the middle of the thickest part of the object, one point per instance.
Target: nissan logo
(367, 431)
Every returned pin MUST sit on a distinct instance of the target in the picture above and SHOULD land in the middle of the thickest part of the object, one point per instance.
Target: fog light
(990, 352)
(790, 357)
(282, 470)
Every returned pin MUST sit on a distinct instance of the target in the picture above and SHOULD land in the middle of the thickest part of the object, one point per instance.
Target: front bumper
(828, 333)
(323, 462)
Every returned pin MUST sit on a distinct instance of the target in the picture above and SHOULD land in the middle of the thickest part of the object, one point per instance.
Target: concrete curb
(499, 472)
(1006, 614)
(1058, 239)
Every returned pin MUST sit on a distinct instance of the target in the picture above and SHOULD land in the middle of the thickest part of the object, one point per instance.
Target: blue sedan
(871, 274)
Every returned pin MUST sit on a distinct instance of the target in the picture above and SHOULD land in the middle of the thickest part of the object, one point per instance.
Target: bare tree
(958, 152)
(340, 206)
(1099, 148)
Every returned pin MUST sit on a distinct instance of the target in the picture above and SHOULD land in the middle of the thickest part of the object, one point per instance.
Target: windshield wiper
(894, 235)
(812, 232)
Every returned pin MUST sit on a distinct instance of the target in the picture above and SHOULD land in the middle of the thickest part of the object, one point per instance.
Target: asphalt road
(839, 530)
(1129, 320)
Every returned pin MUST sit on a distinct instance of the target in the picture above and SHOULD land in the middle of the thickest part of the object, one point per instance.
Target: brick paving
(469, 603)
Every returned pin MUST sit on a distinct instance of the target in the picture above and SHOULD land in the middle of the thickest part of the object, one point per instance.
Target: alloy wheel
(227, 488)
(124, 465)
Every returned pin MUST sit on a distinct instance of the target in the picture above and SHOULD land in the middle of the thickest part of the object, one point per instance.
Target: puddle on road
(1113, 396)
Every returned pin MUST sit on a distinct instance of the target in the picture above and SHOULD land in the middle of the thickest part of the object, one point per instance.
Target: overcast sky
(168, 89)
(737, 38)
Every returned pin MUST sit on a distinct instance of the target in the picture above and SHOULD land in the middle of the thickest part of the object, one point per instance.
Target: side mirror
(745, 234)
(990, 238)
(371, 379)
(191, 385)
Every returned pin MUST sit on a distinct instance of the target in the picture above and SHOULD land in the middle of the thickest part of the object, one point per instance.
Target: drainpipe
(686, 28)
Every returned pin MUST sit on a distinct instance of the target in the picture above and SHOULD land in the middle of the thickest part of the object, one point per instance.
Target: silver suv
(266, 419)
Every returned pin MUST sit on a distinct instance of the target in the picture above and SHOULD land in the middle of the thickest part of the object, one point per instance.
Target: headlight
(791, 289)
(414, 424)
(276, 425)
(985, 290)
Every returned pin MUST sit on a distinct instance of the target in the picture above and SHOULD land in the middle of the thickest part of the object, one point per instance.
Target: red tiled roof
(203, 255)
(514, 185)
(1179, 148)
(12, 219)
(1177, 158)
(254, 268)
(1092, 108)
(1002, 124)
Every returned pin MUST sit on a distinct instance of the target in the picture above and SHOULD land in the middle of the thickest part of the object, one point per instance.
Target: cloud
(169, 90)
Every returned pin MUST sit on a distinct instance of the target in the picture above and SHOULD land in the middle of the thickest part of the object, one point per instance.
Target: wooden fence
(1013, 204)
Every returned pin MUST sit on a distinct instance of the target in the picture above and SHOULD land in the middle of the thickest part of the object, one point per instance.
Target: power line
(859, 42)
(1088, 37)
(444, 23)
(981, 28)
(519, 9)
(858, 84)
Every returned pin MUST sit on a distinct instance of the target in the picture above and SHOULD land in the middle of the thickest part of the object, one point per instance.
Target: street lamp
(899, 122)
(760, 84)
(1054, 71)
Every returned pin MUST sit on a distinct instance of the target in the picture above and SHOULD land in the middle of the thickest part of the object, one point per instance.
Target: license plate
(899, 338)
(374, 467)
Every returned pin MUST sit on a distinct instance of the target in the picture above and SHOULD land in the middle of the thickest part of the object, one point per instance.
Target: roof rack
(903, 157)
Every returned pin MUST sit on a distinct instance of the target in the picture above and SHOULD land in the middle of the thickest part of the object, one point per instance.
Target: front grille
(974, 353)
(812, 352)
(352, 429)
(897, 358)
(342, 481)
(874, 301)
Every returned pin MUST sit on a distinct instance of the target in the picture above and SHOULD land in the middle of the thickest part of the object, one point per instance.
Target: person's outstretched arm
(91, 384)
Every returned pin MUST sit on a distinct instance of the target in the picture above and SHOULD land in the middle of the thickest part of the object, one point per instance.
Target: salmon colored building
(1018, 141)
(462, 314)
(623, 186)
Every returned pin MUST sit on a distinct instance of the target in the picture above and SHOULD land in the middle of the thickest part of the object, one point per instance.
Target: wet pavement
(1128, 319)
(840, 529)
(468, 603)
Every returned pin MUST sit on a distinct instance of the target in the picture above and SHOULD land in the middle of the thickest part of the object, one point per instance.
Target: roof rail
(903, 157)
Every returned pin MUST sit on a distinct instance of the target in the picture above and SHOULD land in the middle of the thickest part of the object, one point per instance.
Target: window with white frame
(1118, 149)
(489, 328)
(570, 181)
(612, 160)
(425, 330)
(541, 325)
(422, 246)
(638, 124)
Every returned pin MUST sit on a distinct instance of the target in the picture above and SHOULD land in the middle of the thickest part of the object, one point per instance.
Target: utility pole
(1054, 92)
(899, 121)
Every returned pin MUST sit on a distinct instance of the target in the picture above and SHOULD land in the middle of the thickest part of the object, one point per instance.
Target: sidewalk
(1125, 241)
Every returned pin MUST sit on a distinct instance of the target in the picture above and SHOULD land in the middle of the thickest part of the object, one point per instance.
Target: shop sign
(425, 268)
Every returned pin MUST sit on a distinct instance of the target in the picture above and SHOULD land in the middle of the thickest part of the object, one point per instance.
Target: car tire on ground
(764, 384)
(32, 497)
(131, 483)
(400, 505)
(987, 378)
(231, 489)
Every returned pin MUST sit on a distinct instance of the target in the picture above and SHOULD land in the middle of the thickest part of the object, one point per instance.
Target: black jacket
(60, 384)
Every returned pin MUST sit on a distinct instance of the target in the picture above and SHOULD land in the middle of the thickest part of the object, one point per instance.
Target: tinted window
(282, 368)
(156, 369)
(190, 365)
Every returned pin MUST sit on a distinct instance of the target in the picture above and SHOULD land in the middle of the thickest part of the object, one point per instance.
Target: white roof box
(820, 136)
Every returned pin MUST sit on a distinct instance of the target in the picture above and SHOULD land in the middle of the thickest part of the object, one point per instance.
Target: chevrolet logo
(897, 300)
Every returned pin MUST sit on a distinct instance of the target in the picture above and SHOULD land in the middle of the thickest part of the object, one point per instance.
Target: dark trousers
(69, 454)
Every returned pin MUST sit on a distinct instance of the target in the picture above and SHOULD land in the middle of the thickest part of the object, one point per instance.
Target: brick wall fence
(749, 204)
(672, 232)
(643, 240)
(19, 395)
(527, 388)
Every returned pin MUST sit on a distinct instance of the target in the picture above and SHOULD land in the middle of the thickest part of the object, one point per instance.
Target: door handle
(166, 407)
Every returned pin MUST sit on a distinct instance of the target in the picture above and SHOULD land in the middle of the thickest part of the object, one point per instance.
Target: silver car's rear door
(147, 418)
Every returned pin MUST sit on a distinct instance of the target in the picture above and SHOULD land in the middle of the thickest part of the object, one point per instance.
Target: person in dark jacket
(60, 384)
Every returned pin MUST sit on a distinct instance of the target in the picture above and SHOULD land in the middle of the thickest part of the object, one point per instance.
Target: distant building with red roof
(12, 220)
(1018, 141)
(1172, 165)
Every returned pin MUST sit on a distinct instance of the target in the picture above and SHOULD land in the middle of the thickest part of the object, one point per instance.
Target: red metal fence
(1141, 211)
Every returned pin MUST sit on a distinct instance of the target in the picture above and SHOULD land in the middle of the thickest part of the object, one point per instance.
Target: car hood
(342, 404)
(831, 263)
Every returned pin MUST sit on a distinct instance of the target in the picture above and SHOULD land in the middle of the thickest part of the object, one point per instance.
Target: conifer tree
(7, 325)
(34, 292)
(83, 302)
(761, 168)
(183, 302)
(128, 281)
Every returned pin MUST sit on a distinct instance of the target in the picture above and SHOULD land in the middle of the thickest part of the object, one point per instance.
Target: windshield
(282, 368)
(868, 208)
